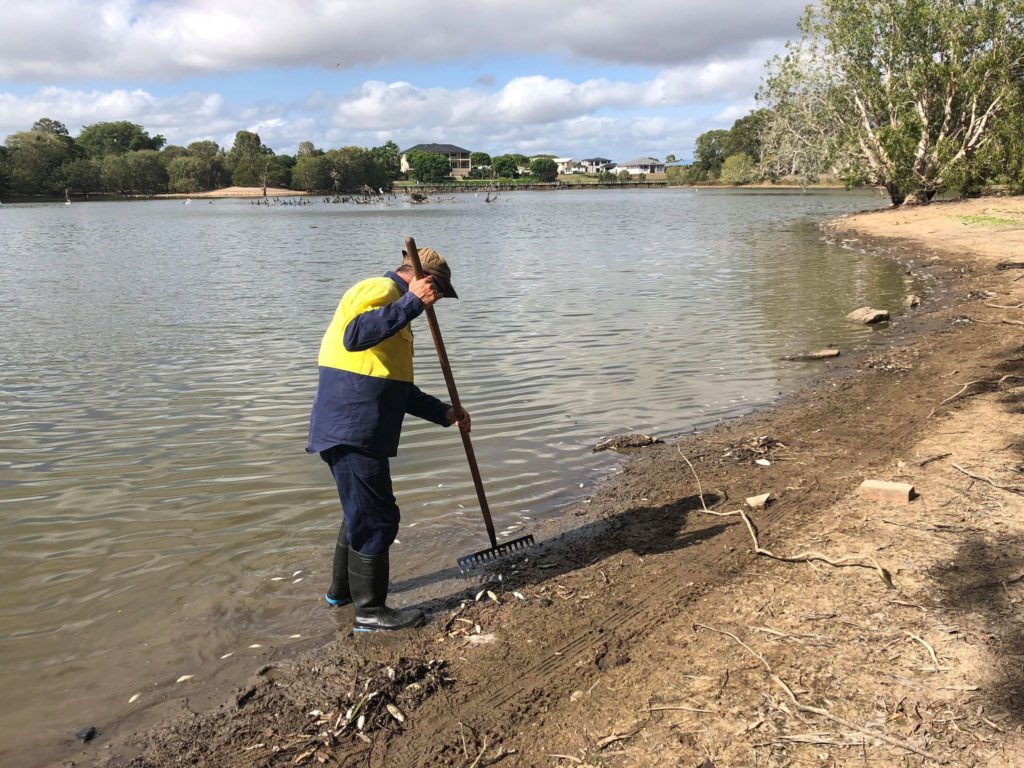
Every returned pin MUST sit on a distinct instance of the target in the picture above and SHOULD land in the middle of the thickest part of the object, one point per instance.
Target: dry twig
(821, 712)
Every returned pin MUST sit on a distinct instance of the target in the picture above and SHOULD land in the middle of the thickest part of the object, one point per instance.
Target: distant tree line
(122, 158)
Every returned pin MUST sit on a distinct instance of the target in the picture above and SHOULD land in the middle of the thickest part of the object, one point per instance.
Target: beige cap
(433, 264)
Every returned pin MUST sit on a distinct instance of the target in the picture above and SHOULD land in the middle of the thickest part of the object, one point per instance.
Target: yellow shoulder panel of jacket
(392, 358)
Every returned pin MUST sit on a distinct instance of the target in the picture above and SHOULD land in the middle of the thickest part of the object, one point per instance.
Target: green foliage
(389, 158)
(102, 139)
(148, 174)
(522, 161)
(428, 167)
(249, 161)
(312, 172)
(188, 174)
(208, 150)
(54, 127)
(670, 158)
(746, 134)
(477, 159)
(685, 174)
(738, 169)
(906, 94)
(353, 168)
(116, 174)
(81, 175)
(33, 160)
(544, 169)
(505, 166)
(170, 152)
(710, 151)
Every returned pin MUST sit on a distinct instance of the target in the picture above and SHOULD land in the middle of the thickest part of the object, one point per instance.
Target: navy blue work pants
(364, 487)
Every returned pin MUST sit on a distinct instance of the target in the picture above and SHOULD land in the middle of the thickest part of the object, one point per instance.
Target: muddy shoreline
(575, 658)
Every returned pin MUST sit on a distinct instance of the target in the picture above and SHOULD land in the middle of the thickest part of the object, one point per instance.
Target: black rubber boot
(339, 593)
(368, 578)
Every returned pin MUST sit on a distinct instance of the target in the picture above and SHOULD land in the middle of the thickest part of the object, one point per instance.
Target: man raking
(365, 389)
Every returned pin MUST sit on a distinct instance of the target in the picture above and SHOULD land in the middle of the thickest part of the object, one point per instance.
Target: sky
(618, 79)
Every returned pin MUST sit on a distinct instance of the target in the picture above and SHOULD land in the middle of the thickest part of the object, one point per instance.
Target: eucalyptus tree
(901, 93)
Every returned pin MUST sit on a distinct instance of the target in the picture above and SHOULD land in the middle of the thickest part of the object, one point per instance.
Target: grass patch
(989, 221)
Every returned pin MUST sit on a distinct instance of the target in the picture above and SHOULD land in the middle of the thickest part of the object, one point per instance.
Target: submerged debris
(635, 440)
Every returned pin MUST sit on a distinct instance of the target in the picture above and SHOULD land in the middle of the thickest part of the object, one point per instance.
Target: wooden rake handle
(453, 394)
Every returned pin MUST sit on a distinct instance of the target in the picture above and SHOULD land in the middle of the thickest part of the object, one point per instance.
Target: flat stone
(885, 491)
(868, 315)
(821, 354)
(758, 502)
(913, 300)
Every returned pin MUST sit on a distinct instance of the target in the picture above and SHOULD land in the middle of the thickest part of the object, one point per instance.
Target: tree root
(803, 557)
(965, 387)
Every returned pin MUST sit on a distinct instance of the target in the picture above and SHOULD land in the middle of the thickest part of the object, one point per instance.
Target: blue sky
(575, 78)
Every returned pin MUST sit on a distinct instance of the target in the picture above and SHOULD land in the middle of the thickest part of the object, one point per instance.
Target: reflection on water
(159, 362)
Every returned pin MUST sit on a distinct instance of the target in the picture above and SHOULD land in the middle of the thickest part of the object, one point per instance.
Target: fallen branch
(990, 481)
(1006, 321)
(820, 711)
(1004, 306)
(803, 557)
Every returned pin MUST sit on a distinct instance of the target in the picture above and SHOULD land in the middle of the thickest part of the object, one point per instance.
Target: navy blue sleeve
(427, 407)
(375, 325)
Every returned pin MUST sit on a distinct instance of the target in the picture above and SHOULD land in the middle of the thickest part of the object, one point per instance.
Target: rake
(496, 550)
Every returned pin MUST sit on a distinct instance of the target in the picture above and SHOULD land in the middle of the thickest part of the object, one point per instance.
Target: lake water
(158, 360)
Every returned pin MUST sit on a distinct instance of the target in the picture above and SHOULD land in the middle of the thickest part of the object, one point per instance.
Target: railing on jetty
(438, 189)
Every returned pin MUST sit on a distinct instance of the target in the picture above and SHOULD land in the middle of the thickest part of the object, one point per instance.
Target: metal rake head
(485, 556)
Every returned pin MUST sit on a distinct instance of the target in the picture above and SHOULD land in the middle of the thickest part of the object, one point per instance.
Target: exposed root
(803, 557)
(969, 384)
(990, 481)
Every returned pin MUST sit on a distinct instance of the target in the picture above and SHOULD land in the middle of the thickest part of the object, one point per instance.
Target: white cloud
(84, 39)
(530, 113)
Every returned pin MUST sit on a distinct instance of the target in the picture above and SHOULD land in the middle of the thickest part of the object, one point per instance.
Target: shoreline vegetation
(657, 625)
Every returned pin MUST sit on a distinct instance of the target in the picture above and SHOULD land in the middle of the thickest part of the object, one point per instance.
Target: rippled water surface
(157, 363)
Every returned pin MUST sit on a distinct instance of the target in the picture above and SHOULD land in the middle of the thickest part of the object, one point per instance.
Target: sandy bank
(235, 192)
(653, 634)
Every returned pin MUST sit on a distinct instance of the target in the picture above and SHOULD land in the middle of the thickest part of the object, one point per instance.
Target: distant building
(458, 157)
(567, 165)
(642, 165)
(595, 165)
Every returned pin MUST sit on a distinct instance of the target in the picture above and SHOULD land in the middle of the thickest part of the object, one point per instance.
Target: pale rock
(758, 502)
(912, 301)
(885, 491)
(868, 315)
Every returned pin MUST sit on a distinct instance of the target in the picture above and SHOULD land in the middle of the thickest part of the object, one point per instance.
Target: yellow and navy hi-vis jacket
(366, 378)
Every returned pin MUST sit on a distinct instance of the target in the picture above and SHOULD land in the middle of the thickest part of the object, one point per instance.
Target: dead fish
(519, 595)
(396, 713)
(294, 637)
(134, 698)
(360, 722)
(296, 574)
(255, 645)
(229, 653)
(183, 678)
